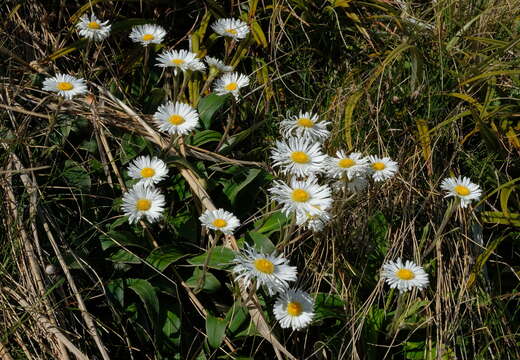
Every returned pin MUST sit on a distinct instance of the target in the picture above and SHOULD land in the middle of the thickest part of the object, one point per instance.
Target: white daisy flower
(148, 171)
(298, 156)
(92, 28)
(350, 165)
(294, 309)
(178, 59)
(233, 28)
(176, 118)
(218, 64)
(315, 222)
(65, 85)
(271, 270)
(382, 168)
(197, 65)
(230, 83)
(141, 201)
(304, 197)
(404, 277)
(220, 220)
(147, 34)
(357, 183)
(463, 188)
(305, 125)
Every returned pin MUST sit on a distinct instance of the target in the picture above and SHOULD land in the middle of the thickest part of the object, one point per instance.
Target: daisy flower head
(65, 85)
(147, 34)
(176, 118)
(302, 196)
(404, 276)
(143, 201)
(294, 309)
(269, 270)
(315, 222)
(298, 156)
(307, 125)
(92, 28)
(463, 188)
(382, 168)
(350, 165)
(197, 65)
(218, 64)
(357, 183)
(230, 83)
(148, 171)
(177, 59)
(233, 28)
(221, 220)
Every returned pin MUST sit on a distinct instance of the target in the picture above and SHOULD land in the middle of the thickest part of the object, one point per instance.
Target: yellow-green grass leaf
(489, 74)
(482, 259)
(497, 217)
(89, 5)
(252, 8)
(468, 99)
(505, 193)
(258, 34)
(424, 138)
(448, 121)
(349, 112)
(204, 23)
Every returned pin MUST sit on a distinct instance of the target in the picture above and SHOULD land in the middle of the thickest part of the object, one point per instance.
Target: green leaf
(209, 283)
(232, 189)
(236, 317)
(274, 222)
(116, 291)
(203, 137)
(208, 106)
(148, 296)
(123, 256)
(329, 306)
(216, 330)
(221, 258)
(497, 217)
(172, 322)
(164, 256)
(262, 242)
(76, 176)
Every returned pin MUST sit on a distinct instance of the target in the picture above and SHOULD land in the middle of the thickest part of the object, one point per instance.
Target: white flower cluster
(300, 158)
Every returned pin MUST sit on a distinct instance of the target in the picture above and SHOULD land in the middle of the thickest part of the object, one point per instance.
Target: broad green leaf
(203, 137)
(221, 258)
(236, 317)
(274, 222)
(232, 189)
(329, 306)
(148, 296)
(262, 242)
(76, 176)
(116, 290)
(208, 106)
(205, 281)
(123, 256)
(215, 330)
(164, 256)
(172, 322)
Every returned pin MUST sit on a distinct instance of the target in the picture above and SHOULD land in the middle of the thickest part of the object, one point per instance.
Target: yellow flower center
(231, 86)
(300, 157)
(143, 204)
(378, 166)
(93, 25)
(264, 265)
(462, 190)
(294, 308)
(148, 37)
(231, 31)
(176, 120)
(405, 274)
(300, 195)
(346, 163)
(147, 172)
(220, 223)
(177, 61)
(65, 86)
(305, 122)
